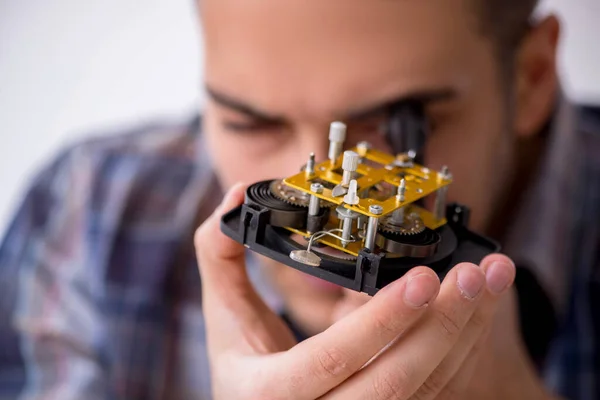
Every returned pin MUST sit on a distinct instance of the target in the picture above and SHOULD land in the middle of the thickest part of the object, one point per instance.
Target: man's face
(278, 72)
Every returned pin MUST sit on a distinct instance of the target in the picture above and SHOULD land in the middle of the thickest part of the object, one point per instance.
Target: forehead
(320, 56)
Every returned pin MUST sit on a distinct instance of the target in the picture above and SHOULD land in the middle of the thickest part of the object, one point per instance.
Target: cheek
(475, 145)
(467, 146)
(473, 140)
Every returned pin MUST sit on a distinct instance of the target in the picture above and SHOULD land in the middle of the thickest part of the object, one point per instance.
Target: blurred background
(72, 68)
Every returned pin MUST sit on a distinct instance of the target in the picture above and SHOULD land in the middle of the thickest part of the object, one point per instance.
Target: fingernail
(420, 290)
(234, 188)
(498, 276)
(470, 281)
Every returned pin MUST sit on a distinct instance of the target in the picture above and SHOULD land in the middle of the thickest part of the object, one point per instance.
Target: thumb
(235, 314)
(218, 251)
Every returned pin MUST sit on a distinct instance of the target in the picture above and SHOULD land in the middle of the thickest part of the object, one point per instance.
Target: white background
(70, 67)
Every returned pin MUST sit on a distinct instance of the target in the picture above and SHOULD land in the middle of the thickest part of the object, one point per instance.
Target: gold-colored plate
(376, 168)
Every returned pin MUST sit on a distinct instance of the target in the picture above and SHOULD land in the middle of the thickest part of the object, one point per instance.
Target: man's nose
(308, 140)
(315, 140)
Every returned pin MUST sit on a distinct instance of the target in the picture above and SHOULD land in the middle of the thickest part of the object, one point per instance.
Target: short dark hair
(505, 22)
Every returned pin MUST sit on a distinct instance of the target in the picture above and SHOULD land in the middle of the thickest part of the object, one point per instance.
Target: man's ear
(536, 77)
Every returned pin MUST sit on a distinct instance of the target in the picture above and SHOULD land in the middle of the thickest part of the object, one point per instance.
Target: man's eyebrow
(420, 96)
(239, 106)
(423, 97)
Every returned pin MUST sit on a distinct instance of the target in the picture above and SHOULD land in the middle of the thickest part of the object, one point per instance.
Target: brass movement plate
(376, 168)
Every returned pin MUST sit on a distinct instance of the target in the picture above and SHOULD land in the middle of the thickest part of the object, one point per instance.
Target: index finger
(219, 257)
(230, 304)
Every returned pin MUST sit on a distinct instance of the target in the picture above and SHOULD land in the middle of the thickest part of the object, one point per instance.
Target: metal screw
(316, 187)
(310, 166)
(445, 173)
(363, 147)
(376, 209)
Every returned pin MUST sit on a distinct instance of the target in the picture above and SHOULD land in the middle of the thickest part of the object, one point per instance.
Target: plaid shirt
(100, 296)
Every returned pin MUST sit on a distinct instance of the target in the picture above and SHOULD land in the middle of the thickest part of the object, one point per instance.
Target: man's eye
(375, 125)
(250, 126)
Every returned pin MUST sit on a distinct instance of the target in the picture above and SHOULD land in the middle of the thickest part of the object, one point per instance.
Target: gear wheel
(412, 225)
(293, 196)
(338, 254)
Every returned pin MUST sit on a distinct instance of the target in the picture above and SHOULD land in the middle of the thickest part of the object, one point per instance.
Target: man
(99, 278)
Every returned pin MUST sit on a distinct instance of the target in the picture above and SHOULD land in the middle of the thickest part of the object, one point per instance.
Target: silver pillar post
(314, 205)
(372, 227)
(346, 231)
(346, 218)
(439, 208)
(398, 215)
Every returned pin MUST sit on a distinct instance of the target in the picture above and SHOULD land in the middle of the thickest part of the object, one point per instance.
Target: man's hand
(416, 339)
